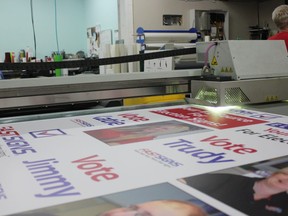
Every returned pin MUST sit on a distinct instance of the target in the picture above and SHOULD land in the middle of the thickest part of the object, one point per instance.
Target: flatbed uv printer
(238, 72)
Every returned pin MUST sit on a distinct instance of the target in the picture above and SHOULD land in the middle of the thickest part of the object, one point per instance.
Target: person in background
(280, 18)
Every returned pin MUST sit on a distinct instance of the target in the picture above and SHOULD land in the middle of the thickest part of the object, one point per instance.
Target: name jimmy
(52, 182)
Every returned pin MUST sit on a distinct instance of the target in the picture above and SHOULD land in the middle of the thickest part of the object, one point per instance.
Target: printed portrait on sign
(144, 132)
(256, 189)
(156, 200)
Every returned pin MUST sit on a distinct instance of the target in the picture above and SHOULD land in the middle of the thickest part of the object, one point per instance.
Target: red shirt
(280, 36)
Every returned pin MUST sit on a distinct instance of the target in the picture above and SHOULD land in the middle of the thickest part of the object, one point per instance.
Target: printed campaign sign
(254, 189)
(76, 158)
(202, 152)
(160, 199)
(273, 133)
(207, 118)
(254, 114)
(108, 171)
(144, 132)
(47, 133)
(89, 121)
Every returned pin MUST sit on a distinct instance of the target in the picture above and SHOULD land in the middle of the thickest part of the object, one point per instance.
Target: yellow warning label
(214, 61)
(226, 70)
(271, 98)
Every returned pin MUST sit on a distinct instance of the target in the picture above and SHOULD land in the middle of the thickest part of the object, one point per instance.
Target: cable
(56, 27)
(207, 53)
(206, 70)
(33, 26)
(96, 62)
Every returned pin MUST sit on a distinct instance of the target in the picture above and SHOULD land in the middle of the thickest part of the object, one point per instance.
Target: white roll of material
(171, 37)
(207, 38)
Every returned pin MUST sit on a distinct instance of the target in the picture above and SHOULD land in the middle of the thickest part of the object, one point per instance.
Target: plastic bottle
(29, 53)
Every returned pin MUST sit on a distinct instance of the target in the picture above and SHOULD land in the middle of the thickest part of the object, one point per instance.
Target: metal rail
(21, 93)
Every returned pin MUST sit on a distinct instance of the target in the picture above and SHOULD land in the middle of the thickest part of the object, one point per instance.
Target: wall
(17, 27)
(74, 16)
(103, 13)
(148, 14)
(266, 8)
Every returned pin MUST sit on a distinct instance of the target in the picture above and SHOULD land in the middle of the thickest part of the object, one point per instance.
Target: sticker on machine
(208, 118)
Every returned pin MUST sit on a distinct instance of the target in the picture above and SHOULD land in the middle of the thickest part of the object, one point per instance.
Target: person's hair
(179, 204)
(280, 17)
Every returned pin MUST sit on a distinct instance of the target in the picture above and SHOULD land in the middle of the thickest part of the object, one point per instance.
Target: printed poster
(144, 132)
(162, 199)
(52, 162)
(93, 40)
(255, 189)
